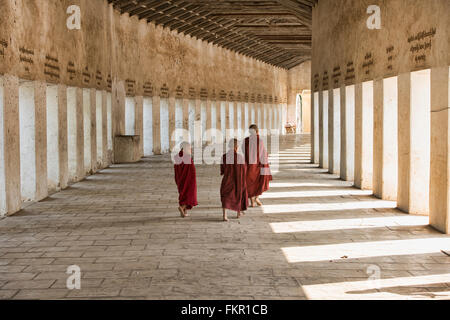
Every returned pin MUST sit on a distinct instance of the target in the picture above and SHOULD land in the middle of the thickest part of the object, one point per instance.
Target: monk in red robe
(233, 191)
(185, 178)
(258, 170)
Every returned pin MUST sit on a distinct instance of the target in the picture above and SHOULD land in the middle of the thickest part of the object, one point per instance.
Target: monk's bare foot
(186, 214)
(181, 211)
(259, 203)
(238, 214)
(252, 203)
(225, 219)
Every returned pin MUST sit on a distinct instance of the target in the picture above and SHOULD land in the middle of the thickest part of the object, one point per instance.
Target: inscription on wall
(165, 91)
(130, 86)
(421, 44)
(148, 89)
(336, 75)
(109, 82)
(51, 68)
(203, 93)
(350, 72)
(316, 82)
(179, 92)
(86, 76)
(71, 70)
(390, 52)
(26, 58)
(98, 78)
(368, 63)
(3, 47)
(325, 81)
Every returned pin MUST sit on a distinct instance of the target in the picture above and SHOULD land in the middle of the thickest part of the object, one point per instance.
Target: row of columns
(390, 136)
(43, 138)
(213, 114)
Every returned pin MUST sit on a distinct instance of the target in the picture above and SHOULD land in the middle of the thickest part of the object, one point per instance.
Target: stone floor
(315, 238)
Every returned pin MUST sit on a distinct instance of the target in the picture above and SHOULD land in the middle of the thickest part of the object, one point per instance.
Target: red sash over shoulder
(258, 170)
(233, 191)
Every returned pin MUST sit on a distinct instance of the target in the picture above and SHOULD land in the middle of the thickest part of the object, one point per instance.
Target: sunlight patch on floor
(394, 288)
(327, 206)
(318, 193)
(336, 224)
(357, 250)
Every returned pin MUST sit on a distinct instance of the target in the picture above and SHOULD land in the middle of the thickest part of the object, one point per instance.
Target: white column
(440, 160)
(2, 153)
(27, 141)
(52, 138)
(420, 142)
(148, 126)
(164, 125)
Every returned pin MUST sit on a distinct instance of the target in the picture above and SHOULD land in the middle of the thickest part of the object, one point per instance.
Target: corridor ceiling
(277, 32)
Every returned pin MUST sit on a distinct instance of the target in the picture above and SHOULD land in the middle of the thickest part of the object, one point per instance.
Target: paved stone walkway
(316, 237)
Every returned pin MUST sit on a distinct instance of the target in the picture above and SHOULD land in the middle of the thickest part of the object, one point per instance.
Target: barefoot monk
(185, 178)
(233, 190)
(258, 171)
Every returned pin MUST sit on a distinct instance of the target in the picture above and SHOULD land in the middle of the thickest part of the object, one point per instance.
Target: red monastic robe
(233, 191)
(258, 171)
(185, 178)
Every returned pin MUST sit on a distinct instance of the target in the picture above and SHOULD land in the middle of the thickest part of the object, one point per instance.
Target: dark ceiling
(277, 32)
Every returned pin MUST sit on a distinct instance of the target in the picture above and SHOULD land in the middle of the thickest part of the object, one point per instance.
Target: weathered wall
(299, 79)
(345, 51)
(112, 48)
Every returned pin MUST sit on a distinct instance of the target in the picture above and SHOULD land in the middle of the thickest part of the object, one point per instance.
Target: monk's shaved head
(186, 146)
(233, 144)
(253, 129)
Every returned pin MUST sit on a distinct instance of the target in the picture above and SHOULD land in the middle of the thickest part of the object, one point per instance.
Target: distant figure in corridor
(185, 178)
(258, 171)
(233, 190)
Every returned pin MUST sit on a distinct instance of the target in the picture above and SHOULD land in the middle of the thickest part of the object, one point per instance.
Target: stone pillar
(197, 123)
(259, 109)
(239, 118)
(11, 128)
(185, 116)
(227, 118)
(316, 128)
(420, 142)
(330, 131)
(63, 137)
(80, 172)
(440, 159)
(404, 133)
(344, 134)
(40, 99)
(105, 159)
(385, 139)
(250, 111)
(364, 135)
(93, 130)
(377, 137)
(219, 119)
(265, 115)
(156, 116)
(209, 124)
(172, 138)
(313, 128)
(139, 122)
(336, 131)
(321, 130)
(2, 152)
